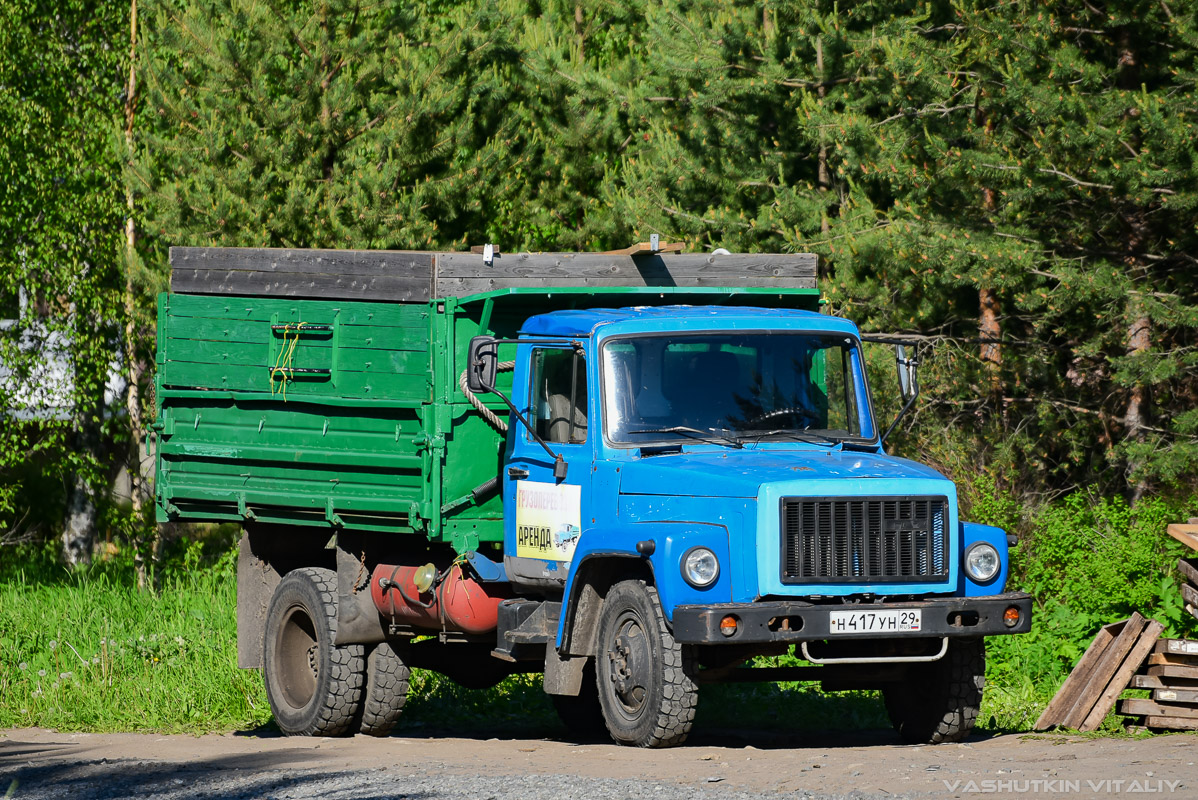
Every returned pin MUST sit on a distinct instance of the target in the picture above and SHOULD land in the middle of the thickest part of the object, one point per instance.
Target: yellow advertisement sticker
(548, 520)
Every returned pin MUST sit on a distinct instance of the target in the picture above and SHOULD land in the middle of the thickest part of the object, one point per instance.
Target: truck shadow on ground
(69, 772)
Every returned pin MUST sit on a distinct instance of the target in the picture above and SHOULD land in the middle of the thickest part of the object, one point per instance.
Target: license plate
(890, 621)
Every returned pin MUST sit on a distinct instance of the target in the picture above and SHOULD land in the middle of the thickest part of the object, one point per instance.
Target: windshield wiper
(695, 433)
(810, 436)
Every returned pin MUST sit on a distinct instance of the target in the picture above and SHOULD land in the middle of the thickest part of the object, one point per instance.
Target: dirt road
(716, 766)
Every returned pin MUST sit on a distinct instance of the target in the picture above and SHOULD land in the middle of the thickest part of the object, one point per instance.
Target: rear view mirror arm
(908, 368)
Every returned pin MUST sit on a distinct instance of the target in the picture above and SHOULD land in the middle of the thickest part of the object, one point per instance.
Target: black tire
(939, 702)
(645, 679)
(582, 715)
(314, 687)
(386, 690)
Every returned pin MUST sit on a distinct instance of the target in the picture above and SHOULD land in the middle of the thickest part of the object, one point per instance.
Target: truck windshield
(744, 386)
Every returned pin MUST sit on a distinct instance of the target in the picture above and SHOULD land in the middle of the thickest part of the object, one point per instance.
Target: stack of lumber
(1171, 672)
(1188, 567)
(1131, 655)
(1106, 669)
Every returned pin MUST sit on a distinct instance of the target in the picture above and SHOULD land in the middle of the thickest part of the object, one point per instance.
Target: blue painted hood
(741, 473)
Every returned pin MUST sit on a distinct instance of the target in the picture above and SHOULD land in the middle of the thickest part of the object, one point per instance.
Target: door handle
(516, 473)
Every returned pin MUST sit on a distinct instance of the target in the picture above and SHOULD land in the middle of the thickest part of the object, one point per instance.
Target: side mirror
(908, 383)
(482, 365)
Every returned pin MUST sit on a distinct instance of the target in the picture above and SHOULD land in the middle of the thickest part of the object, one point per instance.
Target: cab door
(543, 515)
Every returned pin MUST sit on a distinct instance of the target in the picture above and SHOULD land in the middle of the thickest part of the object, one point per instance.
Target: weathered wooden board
(1105, 700)
(1171, 723)
(464, 273)
(1190, 595)
(1185, 533)
(644, 247)
(1173, 671)
(1177, 646)
(1188, 567)
(1142, 708)
(412, 276)
(384, 275)
(1067, 695)
(1155, 682)
(1176, 696)
(1172, 658)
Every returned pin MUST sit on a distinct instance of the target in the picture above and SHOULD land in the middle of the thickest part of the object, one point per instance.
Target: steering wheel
(801, 414)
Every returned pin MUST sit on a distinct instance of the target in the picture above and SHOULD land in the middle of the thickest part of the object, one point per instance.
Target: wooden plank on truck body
(415, 277)
(395, 275)
(376, 263)
(463, 274)
(1118, 681)
(1067, 695)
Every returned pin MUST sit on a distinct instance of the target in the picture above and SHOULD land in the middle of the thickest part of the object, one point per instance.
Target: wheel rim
(629, 662)
(298, 658)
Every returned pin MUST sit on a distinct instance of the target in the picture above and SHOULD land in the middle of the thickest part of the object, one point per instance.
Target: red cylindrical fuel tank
(458, 603)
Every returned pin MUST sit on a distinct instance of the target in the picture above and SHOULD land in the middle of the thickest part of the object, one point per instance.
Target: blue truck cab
(688, 487)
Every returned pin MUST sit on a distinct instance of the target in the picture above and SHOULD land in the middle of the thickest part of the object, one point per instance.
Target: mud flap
(563, 675)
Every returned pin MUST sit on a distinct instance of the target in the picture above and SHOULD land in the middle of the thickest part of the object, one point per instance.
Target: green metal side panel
(241, 436)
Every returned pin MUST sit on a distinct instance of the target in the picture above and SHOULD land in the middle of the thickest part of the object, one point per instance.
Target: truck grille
(864, 539)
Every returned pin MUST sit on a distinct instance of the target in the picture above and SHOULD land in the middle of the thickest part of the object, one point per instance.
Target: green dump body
(347, 414)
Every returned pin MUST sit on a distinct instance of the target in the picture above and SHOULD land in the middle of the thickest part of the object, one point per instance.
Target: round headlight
(982, 562)
(700, 567)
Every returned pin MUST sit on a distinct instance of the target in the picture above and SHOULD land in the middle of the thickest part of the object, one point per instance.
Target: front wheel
(645, 679)
(314, 687)
(939, 701)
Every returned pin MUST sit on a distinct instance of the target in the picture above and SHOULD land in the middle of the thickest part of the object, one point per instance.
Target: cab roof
(584, 322)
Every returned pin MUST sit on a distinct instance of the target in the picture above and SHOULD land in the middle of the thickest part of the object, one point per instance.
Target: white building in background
(45, 392)
(42, 386)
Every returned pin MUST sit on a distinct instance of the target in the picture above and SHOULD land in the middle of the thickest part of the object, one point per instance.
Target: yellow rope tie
(283, 360)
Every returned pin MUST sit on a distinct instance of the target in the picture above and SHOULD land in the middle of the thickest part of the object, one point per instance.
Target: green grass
(89, 652)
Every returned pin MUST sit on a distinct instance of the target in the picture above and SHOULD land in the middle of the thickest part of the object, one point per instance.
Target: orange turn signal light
(728, 625)
(1010, 617)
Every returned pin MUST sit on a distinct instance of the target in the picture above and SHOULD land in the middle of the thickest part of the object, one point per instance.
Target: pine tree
(324, 124)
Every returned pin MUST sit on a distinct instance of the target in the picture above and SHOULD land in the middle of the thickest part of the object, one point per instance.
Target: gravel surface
(150, 781)
(43, 764)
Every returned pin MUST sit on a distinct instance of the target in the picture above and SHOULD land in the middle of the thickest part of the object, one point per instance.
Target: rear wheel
(313, 686)
(939, 701)
(645, 679)
(386, 690)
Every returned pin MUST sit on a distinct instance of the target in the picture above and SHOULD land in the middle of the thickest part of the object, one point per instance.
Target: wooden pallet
(1171, 672)
(1106, 669)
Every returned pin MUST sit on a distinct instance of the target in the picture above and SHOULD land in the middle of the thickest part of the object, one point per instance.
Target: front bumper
(795, 621)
